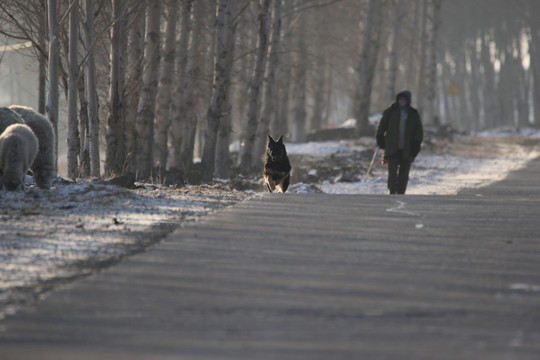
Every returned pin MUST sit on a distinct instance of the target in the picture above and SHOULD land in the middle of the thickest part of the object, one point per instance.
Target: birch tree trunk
(223, 160)
(522, 93)
(270, 104)
(84, 153)
(193, 98)
(54, 50)
(133, 82)
(178, 107)
(397, 6)
(366, 68)
(279, 124)
(489, 82)
(42, 72)
(147, 101)
(535, 67)
(220, 92)
(91, 91)
(299, 83)
(421, 80)
(116, 147)
(164, 97)
(431, 87)
(246, 155)
(73, 141)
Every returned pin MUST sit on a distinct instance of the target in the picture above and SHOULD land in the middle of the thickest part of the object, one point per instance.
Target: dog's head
(276, 149)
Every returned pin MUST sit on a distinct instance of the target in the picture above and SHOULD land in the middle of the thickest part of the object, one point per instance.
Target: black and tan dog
(276, 167)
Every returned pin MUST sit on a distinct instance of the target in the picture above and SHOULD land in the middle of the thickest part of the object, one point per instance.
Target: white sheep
(18, 149)
(45, 162)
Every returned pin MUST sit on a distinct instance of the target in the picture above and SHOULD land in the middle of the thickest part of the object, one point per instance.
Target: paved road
(314, 277)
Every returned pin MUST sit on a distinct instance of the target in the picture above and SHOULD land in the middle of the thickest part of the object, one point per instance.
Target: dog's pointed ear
(280, 140)
(270, 139)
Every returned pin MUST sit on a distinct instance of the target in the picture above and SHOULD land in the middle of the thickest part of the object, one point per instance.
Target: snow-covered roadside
(47, 237)
(443, 174)
(443, 169)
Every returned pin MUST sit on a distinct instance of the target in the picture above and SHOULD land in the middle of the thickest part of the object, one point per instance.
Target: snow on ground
(506, 131)
(441, 174)
(317, 149)
(469, 162)
(47, 237)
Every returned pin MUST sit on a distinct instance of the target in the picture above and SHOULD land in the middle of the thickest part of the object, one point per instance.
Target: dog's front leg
(270, 185)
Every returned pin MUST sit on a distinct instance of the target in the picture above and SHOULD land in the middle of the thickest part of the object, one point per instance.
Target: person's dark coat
(388, 130)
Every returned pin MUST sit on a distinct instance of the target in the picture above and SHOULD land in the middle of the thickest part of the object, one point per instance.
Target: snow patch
(317, 149)
(507, 131)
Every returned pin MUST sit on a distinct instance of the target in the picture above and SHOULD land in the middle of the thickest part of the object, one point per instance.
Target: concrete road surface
(314, 277)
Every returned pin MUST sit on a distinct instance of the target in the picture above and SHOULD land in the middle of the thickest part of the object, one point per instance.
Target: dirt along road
(314, 276)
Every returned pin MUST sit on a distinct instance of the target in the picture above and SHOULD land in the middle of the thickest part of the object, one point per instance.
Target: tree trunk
(54, 50)
(178, 107)
(73, 141)
(421, 80)
(91, 93)
(430, 113)
(164, 97)
(489, 88)
(269, 107)
(522, 94)
(84, 154)
(42, 72)
(147, 101)
(318, 98)
(246, 155)
(116, 146)
(535, 67)
(366, 68)
(223, 159)
(193, 97)
(328, 96)
(221, 86)
(279, 124)
(133, 87)
(299, 88)
(397, 6)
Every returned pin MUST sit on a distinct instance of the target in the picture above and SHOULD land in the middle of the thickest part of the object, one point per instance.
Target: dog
(277, 167)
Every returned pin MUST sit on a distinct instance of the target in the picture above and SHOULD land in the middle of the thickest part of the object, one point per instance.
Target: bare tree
(223, 160)
(269, 106)
(54, 49)
(193, 99)
(42, 72)
(255, 88)
(431, 79)
(534, 51)
(135, 55)
(73, 123)
(147, 102)
(116, 146)
(366, 67)
(179, 109)
(164, 97)
(91, 90)
(424, 46)
(397, 7)
(221, 86)
(299, 76)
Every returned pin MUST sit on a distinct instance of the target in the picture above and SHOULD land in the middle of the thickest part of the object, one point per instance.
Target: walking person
(400, 134)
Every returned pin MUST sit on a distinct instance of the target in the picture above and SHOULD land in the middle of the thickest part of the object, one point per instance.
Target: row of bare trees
(183, 79)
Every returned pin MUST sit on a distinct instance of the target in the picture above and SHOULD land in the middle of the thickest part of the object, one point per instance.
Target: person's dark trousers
(398, 173)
